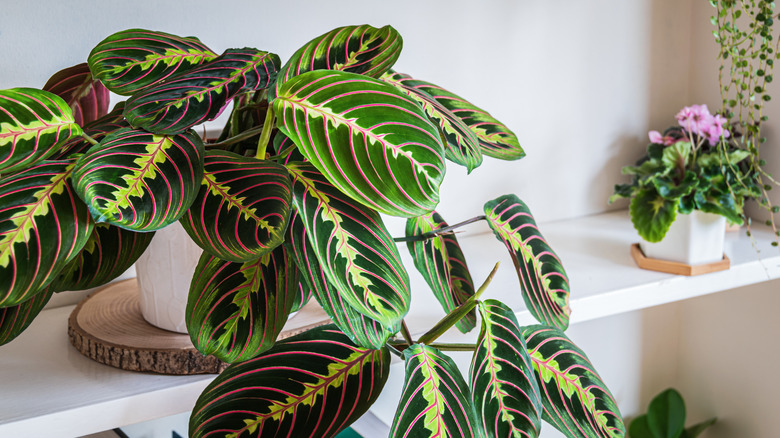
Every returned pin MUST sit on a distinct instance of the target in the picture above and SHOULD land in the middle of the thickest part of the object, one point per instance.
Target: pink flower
(716, 129)
(657, 138)
(695, 118)
(698, 120)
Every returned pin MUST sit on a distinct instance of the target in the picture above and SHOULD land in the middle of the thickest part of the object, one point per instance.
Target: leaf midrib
(233, 200)
(341, 234)
(355, 361)
(27, 219)
(200, 92)
(337, 120)
(493, 369)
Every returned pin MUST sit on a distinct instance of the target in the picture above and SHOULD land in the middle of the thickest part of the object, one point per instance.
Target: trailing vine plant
(748, 50)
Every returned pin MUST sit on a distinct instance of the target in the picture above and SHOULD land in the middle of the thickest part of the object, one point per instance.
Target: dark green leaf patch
(34, 123)
(352, 246)
(133, 59)
(310, 385)
(544, 282)
(235, 311)
(576, 401)
(140, 181)
(43, 225)
(441, 263)
(242, 209)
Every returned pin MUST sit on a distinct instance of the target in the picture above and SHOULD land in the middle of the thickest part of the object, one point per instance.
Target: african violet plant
(695, 165)
(290, 198)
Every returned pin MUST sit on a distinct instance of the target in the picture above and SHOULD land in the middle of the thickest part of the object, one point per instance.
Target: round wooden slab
(108, 327)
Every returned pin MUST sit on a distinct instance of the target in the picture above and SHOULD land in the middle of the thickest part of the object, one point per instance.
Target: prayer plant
(290, 198)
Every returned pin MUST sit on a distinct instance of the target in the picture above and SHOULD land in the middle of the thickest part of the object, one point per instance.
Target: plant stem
(394, 350)
(487, 281)
(262, 143)
(405, 333)
(443, 346)
(234, 122)
(456, 314)
(249, 133)
(453, 347)
(434, 233)
(91, 140)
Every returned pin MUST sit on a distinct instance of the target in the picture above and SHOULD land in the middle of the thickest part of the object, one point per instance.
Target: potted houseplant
(665, 418)
(290, 197)
(693, 179)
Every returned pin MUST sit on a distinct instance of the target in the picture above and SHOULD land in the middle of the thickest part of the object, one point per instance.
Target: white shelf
(604, 280)
(49, 389)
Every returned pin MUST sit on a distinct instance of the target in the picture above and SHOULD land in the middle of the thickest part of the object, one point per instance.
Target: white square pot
(693, 239)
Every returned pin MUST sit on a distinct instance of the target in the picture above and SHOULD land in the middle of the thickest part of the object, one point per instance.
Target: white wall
(728, 346)
(579, 82)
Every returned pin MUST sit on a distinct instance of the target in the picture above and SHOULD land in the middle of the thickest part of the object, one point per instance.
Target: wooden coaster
(108, 327)
(677, 268)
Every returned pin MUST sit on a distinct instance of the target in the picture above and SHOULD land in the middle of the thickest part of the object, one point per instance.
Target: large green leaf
(235, 311)
(285, 149)
(15, 319)
(133, 59)
(358, 49)
(462, 144)
(672, 188)
(666, 414)
(108, 253)
(720, 201)
(698, 428)
(353, 247)
(199, 95)
(361, 329)
(88, 98)
(652, 214)
(302, 296)
(665, 418)
(370, 140)
(311, 385)
(32, 123)
(140, 181)
(441, 262)
(576, 401)
(434, 401)
(639, 428)
(495, 139)
(542, 277)
(503, 387)
(43, 225)
(242, 209)
(676, 156)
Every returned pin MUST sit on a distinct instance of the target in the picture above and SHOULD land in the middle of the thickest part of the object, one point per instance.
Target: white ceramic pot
(164, 274)
(693, 239)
